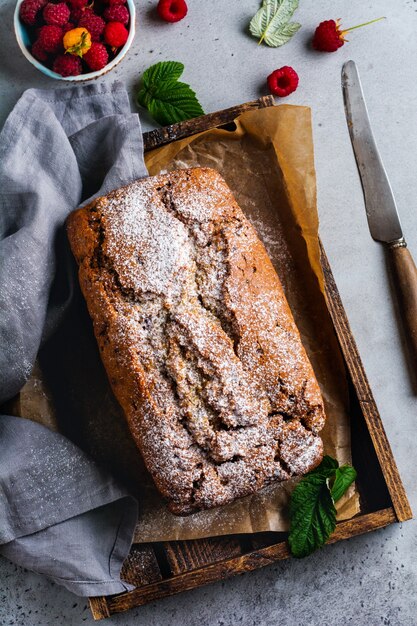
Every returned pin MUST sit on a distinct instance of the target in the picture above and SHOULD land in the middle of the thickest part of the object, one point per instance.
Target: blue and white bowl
(22, 36)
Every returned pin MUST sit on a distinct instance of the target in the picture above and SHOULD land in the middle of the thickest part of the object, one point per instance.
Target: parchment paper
(267, 160)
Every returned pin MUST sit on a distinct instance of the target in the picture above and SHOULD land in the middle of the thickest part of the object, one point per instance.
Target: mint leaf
(165, 70)
(271, 23)
(344, 477)
(168, 100)
(312, 510)
(173, 101)
(312, 515)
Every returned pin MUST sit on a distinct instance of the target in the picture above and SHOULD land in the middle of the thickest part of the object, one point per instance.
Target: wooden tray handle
(161, 136)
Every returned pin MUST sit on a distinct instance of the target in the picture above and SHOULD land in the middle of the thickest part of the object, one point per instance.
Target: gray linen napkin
(60, 514)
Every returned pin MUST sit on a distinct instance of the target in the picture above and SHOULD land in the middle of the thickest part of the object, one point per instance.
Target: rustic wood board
(163, 569)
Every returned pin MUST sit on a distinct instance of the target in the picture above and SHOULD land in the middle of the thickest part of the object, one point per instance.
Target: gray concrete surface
(369, 580)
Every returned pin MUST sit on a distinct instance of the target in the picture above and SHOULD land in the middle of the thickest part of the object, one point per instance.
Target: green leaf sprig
(166, 98)
(272, 24)
(312, 510)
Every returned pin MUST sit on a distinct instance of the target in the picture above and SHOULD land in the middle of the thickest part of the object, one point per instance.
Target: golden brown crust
(197, 338)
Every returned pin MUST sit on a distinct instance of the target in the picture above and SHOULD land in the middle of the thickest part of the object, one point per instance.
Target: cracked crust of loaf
(197, 338)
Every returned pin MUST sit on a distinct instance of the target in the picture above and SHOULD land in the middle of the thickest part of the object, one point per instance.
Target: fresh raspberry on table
(97, 57)
(117, 13)
(172, 10)
(38, 52)
(50, 38)
(67, 65)
(56, 14)
(329, 37)
(115, 34)
(94, 24)
(283, 81)
(29, 10)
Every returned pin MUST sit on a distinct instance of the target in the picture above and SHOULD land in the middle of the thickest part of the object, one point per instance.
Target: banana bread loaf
(197, 338)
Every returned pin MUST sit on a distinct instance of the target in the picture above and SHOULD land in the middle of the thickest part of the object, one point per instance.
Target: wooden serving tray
(163, 569)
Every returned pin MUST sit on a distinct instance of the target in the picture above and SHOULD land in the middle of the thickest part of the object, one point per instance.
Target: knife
(381, 211)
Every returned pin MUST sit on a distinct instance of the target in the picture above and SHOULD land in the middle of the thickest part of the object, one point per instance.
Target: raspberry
(78, 12)
(328, 36)
(67, 65)
(283, 81)
(77, 4)
(38, 52)
(94, 24)
(50, 38)
(77, 41)
(112, 3)
(29, 10)
(56, 14)
(115, 34)
(172, 10)
(117, 13)
(68, 26)
(97, 57)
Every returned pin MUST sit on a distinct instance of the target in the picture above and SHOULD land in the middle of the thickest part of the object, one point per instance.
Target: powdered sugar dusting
(165, 248)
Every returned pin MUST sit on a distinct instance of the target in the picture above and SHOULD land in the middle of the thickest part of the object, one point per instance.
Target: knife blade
(381, 210)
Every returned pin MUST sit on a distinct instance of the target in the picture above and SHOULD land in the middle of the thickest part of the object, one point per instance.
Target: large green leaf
(173, 101)
(312, 514)
(312, 510)
(164, 70)
(167, 99)
(271, 23)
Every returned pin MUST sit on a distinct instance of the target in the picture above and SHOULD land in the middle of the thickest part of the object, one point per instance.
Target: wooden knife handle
(405, 275)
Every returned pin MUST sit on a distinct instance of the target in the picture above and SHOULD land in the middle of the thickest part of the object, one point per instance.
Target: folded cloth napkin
(60, 514)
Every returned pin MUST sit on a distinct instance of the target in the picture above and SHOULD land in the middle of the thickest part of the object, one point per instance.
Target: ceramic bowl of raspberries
(74, 40)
